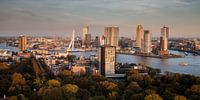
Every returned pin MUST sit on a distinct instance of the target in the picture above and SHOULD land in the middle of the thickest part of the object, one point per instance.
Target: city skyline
(37, 18)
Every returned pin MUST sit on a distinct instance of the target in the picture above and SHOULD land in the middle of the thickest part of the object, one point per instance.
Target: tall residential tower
(139, 36)
(146, 47)
(112, 35)
(164, 41)
(107, 59)
(22, 43)
(85, 31)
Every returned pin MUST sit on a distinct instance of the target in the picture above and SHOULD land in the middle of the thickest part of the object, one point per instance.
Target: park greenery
(18, 81)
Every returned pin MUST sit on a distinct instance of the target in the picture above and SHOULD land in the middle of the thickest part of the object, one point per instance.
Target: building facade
(164, 41)
(139, 36)
(22, 43)
(102, 40)
(147, 42)
(107, 59)
(87, 40)
(96, 42)
(112, 35)
(85, 31)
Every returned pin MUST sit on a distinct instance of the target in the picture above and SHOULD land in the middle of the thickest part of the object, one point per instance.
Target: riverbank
(194, 52)
(154, 56)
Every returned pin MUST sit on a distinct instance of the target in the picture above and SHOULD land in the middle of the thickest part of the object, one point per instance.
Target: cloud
(61, 13)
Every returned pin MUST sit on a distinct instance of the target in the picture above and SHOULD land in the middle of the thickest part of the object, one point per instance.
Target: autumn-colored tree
(180, 97)
(153, 97)
(149, 91)
(113, 95)
(53, 83)
(66, 73)
(109, 85)
(70, 89)
(146, 81)
(3, 66)
(134, 75)
(139, 96)
(17, 79)
(131, 89)
(195, 88)
(53, 93)
(84, 94)
(17, 84)
(97, 98)
(134, 86)
(37, 83)
(13, 98)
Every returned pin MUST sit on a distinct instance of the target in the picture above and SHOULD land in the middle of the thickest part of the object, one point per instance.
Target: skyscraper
(147, 42)
(22, 43)
(165, 36)
(102, 40)
(107, 59)
(112, 34)
(85, 31)
(164, 41)
(96, 42)
(139, 36)
(88, 40)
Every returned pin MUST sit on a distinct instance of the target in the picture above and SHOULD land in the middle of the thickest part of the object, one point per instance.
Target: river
(171, 64)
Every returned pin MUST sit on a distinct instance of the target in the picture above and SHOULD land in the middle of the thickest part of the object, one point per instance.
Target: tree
(139, 96)
(84, 94)
(70, 89)
(109, 85)
(37, 83)
(3, 66)
(66, 73)
(195, 89)
(153, 97)
(17, 79)
(145, 82)
(4, 85)
(168, 95)
(113, 95)
(149, 91)
(53, 83)
(17, 84)
(13, 98)
(53, 93)
(97, 98)
(134, 87)
(180, 97)
(134, 75)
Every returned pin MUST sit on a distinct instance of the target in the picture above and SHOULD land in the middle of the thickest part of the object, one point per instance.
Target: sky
(60, 17)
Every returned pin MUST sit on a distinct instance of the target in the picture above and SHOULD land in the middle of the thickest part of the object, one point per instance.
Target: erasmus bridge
(70, 49)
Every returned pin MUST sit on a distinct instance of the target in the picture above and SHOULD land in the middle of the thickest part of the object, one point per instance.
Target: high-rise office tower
(165, 36)
(88, 40)
(85, 31)
(107, 59)
(112, 34)
(147, 42)
(96, 42)
(139, 36)
(22, 43)
(164, 41)
(102, 40)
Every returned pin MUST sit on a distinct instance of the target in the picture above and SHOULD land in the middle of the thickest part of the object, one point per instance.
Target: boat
(183, 64)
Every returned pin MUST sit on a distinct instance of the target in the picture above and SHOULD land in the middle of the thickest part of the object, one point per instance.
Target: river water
(171, 64)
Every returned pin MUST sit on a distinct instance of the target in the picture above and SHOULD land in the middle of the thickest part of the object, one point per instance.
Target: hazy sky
(60, 17)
